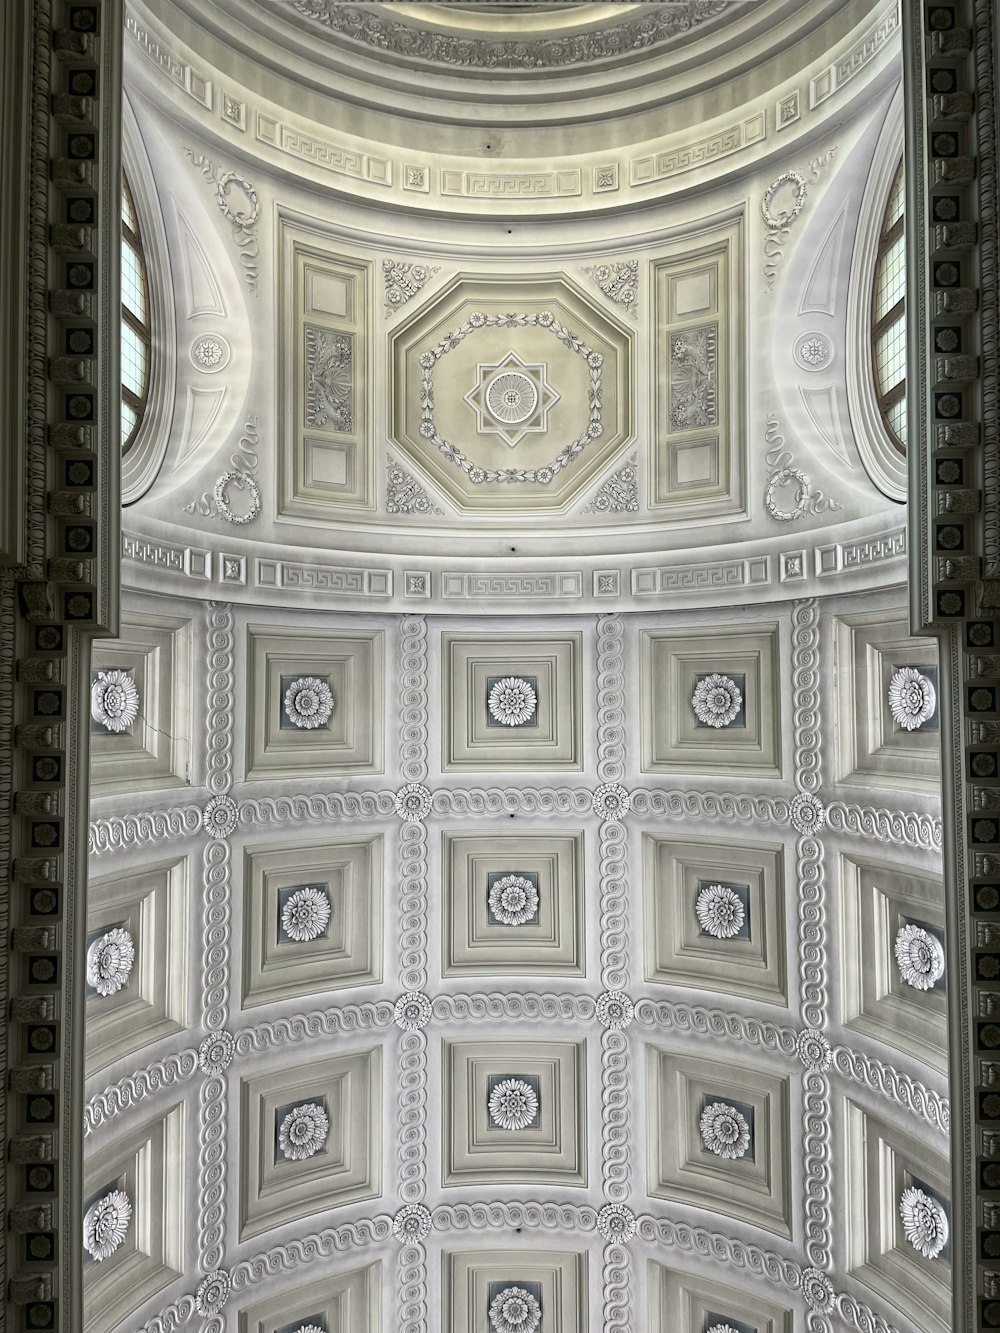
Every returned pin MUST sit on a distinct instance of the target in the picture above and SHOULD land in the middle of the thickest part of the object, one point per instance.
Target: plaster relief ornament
(512, 1104)
(925, 1222)
(403, 281)
(306, 914)
(212, 1293)
(105, 1225)
(722, 1328)
(912, 698)
(817, 1290)
(329, 380)
(243, 482)
(512, 702)
(514, 1310)
(512, 398)
(412, 1011)
(412, 1224)
(619, 281)
(813, 351)
(616, 1223)
(114, 700)
(919, 956)
(109, 961)
(783, 200)
(724, 1131)
(215, 1054)
(513, 900)
(615, 1010)
(308, 702)
(413, 803)
(309, 1328)
(720, 911)
(611, 802)
(813, 1049)
(716, 700)
(303, 1131)
(210, 352)
(807, 813)
(220, 816)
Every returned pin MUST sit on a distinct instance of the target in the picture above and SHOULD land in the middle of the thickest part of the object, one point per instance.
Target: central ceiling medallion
(511, 398)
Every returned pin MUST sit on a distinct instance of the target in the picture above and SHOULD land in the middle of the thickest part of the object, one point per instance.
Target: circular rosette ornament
(817, 1290)
(616, 1223)
(412, 1011)
(813, 1049)
(512, 702)
(722, 1328)
(412, 1224)
(105, 1225)
(912, 698)
(612, 802)
(114, 700)
(513, 900)
(925, 1222)
(807, 813)
(513, 1104)
(615, 1010)
(720, 911)
(303, 1131)
(306, 914)
(308, 702)
(309, 1328)
(109, 961)
(716, 700)
(919, 956)
(514, 1310)
(412, 803)
(220, 816)
(724, 1130)
(215, 1054)
(212, 1293)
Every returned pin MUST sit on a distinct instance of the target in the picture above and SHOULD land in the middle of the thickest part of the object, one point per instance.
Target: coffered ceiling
(515, 896)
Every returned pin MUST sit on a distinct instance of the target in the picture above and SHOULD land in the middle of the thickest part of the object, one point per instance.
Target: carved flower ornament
(114, 700)
(513, 900)
(413, 803)
(303, 1131)
(215, 1054)
(716, 700)
(722, 1328)
(309, 1328)
(925, 1222)
(813, 1049)
(720, 911)
(220, 816)
(724, 1130)
(919, 956)
(308, 702)
(213, 1292)
(512, 702)
(912, 698)
(412, 1223)
(306, 913)
(514, 1310)
(611, 801)
(807, 813)
(817, 1290)
(412, 1011)
(512, 1104)
(109, 961)
(615, 1010)
(105, 1225)
(616, 1223)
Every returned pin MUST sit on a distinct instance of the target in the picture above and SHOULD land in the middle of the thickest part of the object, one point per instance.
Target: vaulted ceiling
(515, 844)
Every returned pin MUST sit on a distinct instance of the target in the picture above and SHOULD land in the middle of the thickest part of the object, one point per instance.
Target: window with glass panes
(135, 322)
(889, 315)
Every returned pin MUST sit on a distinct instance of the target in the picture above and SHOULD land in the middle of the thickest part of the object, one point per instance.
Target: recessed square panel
(556, 1280)
(545, 734)
(874, 749)
(750, 1180)
(339, 1302)
(548, 940)
(350, 740)
(678, 1300)
(738, 939)
(312, 918)
(675, 737)
(276, 1187)
(537, 1138)
(878, 900)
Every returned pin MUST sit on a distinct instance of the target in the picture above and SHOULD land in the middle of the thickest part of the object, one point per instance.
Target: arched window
(889, 316)
(135, 322)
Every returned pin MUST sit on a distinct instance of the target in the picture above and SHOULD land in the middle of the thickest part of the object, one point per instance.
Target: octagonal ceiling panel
(511, 396)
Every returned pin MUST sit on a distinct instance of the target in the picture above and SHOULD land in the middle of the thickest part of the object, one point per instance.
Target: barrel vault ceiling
(515, 891)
